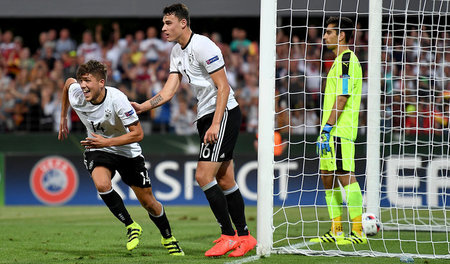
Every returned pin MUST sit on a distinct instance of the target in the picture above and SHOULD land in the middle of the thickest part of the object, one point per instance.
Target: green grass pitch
(90, 234)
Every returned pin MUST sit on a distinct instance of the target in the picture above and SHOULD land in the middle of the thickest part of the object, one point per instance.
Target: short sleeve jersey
(109, 118)
(344, 78)
(200, 58)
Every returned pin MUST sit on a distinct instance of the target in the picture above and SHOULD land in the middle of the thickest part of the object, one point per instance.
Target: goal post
(373, 109)
(266, 126)
(403, 145)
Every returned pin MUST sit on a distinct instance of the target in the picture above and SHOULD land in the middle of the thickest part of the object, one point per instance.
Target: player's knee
(221, 182)
(226, 183)
(201, 178)
(103, 186)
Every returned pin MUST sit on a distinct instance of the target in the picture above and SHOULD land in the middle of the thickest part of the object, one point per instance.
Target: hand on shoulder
(69, 81)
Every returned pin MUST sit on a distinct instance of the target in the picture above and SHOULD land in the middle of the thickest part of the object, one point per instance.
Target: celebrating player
(335, 144)
(113, 132)
(200, 61)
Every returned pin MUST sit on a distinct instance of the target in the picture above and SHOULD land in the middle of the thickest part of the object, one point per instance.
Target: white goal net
(402, 150)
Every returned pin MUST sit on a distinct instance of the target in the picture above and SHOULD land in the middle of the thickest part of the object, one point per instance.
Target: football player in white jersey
(113, 132)
(200, 61)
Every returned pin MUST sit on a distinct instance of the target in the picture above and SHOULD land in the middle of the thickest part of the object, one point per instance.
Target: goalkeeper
(339, 129)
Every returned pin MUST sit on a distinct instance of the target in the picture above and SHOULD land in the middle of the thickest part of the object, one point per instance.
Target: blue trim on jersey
(345, 84)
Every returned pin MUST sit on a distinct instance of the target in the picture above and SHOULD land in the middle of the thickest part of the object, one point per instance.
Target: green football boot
(171, 244)
(354, 238)
(134, 232)
(328, 237)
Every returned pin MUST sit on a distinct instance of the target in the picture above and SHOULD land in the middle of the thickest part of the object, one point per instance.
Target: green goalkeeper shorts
(341, 157)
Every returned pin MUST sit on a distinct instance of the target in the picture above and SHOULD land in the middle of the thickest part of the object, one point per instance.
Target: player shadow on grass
(118, 251)
(197, 246)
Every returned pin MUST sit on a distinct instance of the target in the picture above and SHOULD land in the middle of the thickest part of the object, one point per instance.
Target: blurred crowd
(416, 71)
(138, 64)
(415, 74)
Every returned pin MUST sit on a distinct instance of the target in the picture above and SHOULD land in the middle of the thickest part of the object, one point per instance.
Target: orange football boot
(246, 243)
(223, 245)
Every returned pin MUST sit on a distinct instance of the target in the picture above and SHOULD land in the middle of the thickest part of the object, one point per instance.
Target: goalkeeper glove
(323, 142)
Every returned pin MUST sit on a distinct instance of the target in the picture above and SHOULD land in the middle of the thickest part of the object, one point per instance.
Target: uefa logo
(54, 180)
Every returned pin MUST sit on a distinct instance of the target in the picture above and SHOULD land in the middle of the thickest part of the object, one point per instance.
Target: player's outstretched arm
(97, 141)
(63, 129)
(167, 92)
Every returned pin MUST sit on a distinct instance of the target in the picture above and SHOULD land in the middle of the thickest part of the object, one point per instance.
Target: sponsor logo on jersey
(213, 59)
(129, 113)
(54, 180)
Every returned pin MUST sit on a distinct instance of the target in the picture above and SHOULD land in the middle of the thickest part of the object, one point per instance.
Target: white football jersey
(108, 119)
(196, 62)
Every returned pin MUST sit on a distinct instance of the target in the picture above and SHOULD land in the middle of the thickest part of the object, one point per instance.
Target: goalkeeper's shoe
(246, 243)
(171, 244)
(134, 232)
(328, 237)
(223, 245)
(354, 238)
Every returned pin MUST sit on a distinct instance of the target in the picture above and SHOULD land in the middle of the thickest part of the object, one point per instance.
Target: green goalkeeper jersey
(344, 78)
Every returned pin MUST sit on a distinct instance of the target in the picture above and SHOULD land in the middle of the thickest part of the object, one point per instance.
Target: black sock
(115, 204)
(218, 205)
(162, 223)
(236, 208)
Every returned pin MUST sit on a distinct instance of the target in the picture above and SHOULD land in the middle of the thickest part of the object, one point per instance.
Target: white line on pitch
(256, 257)
(244, 260)
(303, 244)
(292, 248)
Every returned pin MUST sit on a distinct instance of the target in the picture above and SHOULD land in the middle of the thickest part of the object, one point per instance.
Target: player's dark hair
(96, 68)
(345, 25)
(179, 10)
